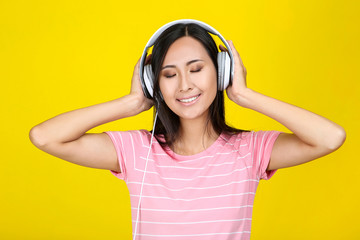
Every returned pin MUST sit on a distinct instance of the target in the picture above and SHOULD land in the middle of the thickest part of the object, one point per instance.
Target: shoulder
(261, 137)
(252, 136)
(130, 135)
(235, 140)
(237, 137)
(141, 135)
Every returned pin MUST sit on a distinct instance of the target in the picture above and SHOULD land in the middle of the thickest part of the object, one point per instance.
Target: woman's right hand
(136, 89)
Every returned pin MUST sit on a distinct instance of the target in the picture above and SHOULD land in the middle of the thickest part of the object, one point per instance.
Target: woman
(202, 174)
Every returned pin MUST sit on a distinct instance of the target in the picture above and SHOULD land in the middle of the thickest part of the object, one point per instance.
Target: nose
(185, 83)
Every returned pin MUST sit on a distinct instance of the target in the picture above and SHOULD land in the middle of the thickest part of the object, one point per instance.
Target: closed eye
(197, 70)
(170, 76)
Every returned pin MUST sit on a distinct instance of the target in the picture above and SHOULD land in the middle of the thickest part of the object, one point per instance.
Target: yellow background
(57, 56)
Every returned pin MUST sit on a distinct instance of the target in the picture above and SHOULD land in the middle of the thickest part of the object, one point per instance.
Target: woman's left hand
(238, 86)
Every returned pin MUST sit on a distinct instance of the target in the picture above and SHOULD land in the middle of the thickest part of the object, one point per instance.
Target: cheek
(166, 88)
(209, 81)
(163, 88)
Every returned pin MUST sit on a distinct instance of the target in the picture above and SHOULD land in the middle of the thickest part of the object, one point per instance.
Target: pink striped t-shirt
(206, 196)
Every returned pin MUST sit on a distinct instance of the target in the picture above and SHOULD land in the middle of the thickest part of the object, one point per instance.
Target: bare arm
(65, 136)
(69, 126)
(313, 135)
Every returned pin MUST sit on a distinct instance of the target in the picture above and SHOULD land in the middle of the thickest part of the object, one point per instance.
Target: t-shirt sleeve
(261, 145)
(117, 138)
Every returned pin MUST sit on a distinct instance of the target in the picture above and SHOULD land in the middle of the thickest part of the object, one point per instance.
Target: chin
(192, 115)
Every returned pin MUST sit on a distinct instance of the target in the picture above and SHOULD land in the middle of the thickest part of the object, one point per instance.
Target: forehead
(185, 49)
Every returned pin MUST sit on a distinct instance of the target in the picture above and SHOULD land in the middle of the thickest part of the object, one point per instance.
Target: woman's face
(188, 79)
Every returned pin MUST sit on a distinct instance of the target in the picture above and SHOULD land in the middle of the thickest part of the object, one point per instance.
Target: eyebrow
(187, 64)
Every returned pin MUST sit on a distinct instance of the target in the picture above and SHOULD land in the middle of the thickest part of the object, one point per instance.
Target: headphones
(225, 59)
(225, 75)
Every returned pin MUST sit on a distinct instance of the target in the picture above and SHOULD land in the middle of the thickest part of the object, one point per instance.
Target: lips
(190, 98)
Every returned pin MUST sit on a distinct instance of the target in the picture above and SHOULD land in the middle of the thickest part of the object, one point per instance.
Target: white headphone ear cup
(148, 79)
(220, 58)
(227, 70)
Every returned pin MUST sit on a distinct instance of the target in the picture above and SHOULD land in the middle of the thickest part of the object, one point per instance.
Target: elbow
(35, 137)
(339, 137)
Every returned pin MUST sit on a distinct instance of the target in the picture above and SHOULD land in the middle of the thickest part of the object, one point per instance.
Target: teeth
(189, 99)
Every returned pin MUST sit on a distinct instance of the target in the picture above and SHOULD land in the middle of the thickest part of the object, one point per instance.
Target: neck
(195, 136)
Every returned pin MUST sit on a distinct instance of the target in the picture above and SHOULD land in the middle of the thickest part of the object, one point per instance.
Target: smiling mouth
(187, 100)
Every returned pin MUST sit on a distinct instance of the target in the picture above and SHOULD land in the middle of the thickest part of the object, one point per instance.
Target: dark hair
(168, 122)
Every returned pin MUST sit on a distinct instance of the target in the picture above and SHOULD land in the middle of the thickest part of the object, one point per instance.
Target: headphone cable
(152, 135)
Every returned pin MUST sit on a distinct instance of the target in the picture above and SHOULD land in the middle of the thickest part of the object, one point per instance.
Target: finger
(235, 52)
(222, 48)
(232, 46)
(148, 59)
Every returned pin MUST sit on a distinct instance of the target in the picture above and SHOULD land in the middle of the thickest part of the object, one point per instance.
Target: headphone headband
(155, 36)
